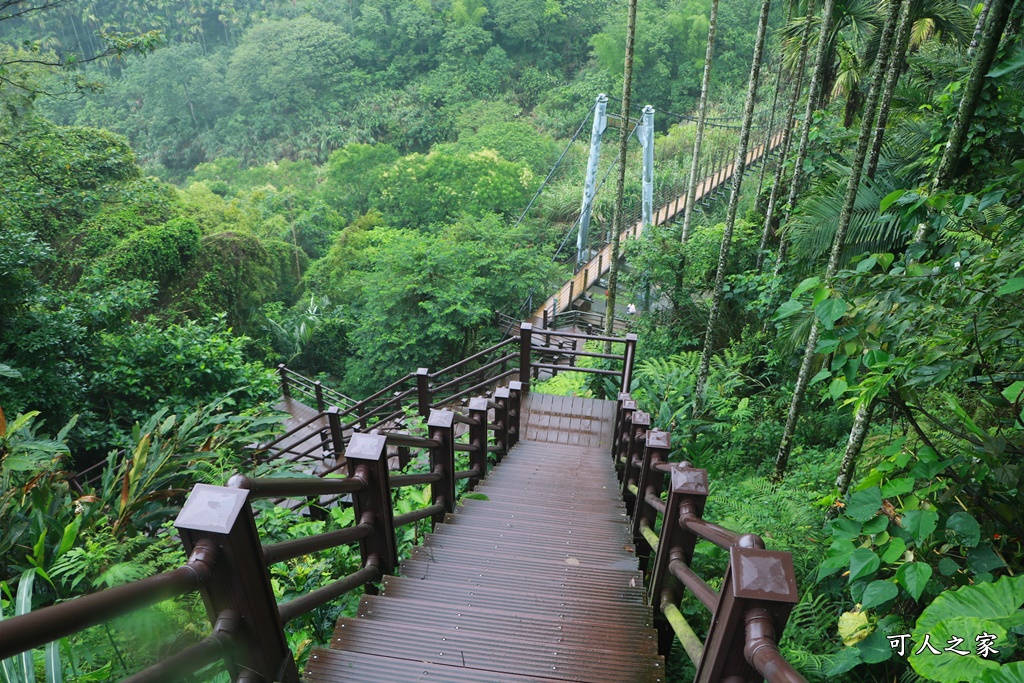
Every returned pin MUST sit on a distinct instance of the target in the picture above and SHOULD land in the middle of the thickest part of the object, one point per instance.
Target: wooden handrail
(261, 646)
(759, 588)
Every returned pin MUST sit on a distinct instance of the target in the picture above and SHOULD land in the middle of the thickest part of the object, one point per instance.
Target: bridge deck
(538, 583)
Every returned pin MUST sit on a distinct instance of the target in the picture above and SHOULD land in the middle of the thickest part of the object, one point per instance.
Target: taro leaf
(875, 648)
(950, 667)
(878, 592)
(920, 524)
(964, 529)
(894, 550)
(983, 559)
(863, 563)
(1007, 673)
(864, 504)
(967, 612)
(913, 576)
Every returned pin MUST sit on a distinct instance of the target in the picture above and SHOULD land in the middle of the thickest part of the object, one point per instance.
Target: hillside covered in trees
(194, 193)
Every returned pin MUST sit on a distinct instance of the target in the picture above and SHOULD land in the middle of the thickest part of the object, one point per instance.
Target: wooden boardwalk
(537, 583)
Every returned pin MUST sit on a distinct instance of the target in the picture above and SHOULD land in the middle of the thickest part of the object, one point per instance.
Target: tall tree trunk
(893, 71)
(787, 138)
(858, 432)
(998, 14)
(817, 78)
(734, 200)
(620, 184)
(979, 27)
(845, 215)
(768, 134)
(702, 110)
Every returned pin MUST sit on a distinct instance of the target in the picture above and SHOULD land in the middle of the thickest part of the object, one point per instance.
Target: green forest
(196, 192)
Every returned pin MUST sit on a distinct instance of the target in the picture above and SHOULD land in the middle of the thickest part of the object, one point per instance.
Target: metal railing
(758, 591)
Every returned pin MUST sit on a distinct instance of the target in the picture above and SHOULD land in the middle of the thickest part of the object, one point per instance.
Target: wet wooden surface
(536, 583)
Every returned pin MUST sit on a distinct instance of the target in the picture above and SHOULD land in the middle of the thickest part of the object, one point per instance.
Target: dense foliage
(340, 188)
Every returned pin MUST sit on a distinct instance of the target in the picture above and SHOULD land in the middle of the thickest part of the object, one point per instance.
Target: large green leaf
(920, 524)
(878, 592)
(967, 612)
(863, 563)
(913, 576)
(864, 504)
(1007, 673)
(964, 529)
(829, 311)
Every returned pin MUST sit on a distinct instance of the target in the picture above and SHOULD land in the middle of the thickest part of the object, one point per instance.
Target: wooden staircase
(539, 582)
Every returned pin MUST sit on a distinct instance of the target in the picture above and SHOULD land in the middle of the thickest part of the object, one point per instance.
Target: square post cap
(366, 447)
(441, 418)
(211, 508)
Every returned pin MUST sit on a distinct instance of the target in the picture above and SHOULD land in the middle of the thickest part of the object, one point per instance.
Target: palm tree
(845, 216)
(691, 186)
(734, 198)
(620, 185)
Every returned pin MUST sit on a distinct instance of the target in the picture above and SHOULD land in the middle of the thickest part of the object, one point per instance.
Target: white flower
(957, 265)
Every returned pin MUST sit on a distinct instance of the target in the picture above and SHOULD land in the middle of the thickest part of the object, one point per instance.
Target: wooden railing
(750, 610)
(229, 565)
(314, 393)
(520, 357)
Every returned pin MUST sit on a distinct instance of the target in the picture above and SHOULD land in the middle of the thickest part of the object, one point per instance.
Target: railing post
(622, 420)
(366, 458)
(440, 426)
(337, 434)
(283, 372)
(649, 482)
(525, 342)
(628, 358)
(689, 489)
(687, 495)
(757, 595)
(501, 418)
(423, 391)
(636, 434)
(544, 317)
(478, 439)
(515, 408)
(319, 389)
(240, 581)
